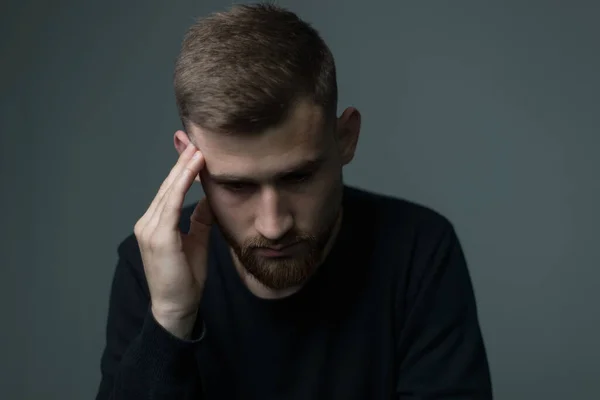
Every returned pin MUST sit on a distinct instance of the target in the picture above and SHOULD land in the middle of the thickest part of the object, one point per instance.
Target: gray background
(487, 112)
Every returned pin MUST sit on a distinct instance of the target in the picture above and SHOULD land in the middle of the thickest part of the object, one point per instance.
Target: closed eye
(237, 186)
(298, 177)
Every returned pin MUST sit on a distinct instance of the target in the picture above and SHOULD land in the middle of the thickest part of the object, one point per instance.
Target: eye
(237, 187)
(299, 177)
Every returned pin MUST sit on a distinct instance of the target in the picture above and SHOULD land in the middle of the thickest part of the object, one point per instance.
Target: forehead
(301, 137)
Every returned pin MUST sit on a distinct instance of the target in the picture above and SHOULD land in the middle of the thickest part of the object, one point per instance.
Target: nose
(273, 219)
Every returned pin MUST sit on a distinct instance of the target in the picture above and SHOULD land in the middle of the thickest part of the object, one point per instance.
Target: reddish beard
(280, 273)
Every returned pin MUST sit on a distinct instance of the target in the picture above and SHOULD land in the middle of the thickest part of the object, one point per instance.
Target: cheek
(317, 206)
(231, 218)
(220, 209)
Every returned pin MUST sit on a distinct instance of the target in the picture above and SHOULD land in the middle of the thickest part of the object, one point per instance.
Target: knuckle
(187, 171)
(142, 234)
(169, 208)
(158, 241)
(138, 229)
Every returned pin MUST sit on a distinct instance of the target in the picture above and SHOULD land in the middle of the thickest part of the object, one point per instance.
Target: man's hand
(175, 263)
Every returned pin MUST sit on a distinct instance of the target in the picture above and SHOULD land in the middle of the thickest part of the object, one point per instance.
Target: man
(283, 283)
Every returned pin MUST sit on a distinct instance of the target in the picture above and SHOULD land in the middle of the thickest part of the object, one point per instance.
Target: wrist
(177, 323)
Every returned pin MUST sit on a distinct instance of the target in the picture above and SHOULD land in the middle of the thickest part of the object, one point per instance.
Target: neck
(260, 290)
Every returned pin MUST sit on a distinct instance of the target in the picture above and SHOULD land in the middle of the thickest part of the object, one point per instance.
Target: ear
(347, 132)
(181, 142)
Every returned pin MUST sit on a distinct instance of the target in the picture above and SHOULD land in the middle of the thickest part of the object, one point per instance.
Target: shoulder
(397, 217)
(406, 239)
(413, 246)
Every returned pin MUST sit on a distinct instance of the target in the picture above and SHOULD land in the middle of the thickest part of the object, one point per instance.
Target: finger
(201, 220)
(169, 211)
(183, 159)
(198, 237)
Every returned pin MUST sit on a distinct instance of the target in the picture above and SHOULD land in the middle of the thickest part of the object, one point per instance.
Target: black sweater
(390, 314)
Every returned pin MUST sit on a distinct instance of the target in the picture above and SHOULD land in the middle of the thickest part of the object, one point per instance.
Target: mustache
(258, 242)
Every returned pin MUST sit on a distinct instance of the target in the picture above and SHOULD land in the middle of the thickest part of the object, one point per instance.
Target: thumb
(201, 220)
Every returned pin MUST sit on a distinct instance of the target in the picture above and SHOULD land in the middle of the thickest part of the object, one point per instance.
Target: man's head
(256, 91)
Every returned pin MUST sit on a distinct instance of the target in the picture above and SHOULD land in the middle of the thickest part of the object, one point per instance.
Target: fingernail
(196, 155)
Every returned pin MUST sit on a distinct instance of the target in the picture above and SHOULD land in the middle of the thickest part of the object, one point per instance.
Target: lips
(275, 251)
(279, 248)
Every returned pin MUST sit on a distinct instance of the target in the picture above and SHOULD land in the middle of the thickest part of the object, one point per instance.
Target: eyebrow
(304, 166)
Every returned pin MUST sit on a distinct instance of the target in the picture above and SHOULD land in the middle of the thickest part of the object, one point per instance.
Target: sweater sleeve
(141, 360)
(440, 351)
